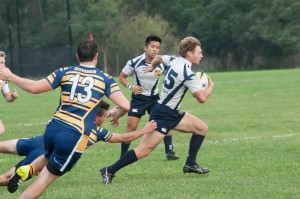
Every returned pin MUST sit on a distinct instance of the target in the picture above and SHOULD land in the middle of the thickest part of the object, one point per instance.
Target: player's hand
(113, 111)
(5, 73)
(114, 122)
(14, 95)
(148, 68)
(210, 82)
(150, 126)
(136, 89)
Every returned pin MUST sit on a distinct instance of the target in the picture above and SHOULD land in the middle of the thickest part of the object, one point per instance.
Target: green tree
(239, 33)
(101, 18)
(134, 30)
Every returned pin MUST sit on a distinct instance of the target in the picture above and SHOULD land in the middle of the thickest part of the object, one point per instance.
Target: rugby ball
(203, 79)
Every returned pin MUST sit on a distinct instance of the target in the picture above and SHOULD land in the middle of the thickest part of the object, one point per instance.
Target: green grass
(252, 148)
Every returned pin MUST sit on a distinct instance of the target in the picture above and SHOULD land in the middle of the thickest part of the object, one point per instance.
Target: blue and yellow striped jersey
(99, 134)
(82, 88)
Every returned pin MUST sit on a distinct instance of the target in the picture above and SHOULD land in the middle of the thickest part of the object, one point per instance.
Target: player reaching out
(34, 147)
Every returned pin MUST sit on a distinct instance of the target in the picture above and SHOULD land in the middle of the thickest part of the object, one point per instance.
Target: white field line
(32, 124)
(227, 140)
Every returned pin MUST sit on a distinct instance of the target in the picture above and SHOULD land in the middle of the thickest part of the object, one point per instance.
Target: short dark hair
(104, 106)
(86, 50)
(152, 38)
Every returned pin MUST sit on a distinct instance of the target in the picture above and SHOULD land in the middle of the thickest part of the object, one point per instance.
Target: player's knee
(141, 153)
(202, 130)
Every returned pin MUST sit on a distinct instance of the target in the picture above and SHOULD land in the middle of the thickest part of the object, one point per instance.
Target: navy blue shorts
(31, 148)
(140, 104)
(63, 146)
(166, 118)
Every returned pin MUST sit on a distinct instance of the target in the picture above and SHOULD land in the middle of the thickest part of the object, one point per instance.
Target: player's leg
(26, 169)
(2, 128)
(22, 173)
(32, 148)
(39, 186)
(138, 107)
(9, 146)
(170, 153)
(22, 147)
(60, 147)
(38, 164)
(148, 143)
(192, 124)
(132, 124)
(4, 178)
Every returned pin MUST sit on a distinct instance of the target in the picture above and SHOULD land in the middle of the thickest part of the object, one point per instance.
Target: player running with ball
(178, 80)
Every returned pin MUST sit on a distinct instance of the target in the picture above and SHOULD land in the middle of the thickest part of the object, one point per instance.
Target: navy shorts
(166, 118)
(31, 148)
(140, 104)
(64, 146)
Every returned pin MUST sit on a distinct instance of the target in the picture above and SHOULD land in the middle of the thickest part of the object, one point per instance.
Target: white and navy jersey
(4, 86)
(178, 80)
(148, 81)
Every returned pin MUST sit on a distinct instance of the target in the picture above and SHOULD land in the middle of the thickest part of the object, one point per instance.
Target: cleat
(194, 169)
(107, 177)
(171, 155)
(23, 173)
(14, 182)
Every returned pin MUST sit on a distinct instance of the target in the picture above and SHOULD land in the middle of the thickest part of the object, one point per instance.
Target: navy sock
(168, 143)
(195, 144)
(126, 159)
(124, 148)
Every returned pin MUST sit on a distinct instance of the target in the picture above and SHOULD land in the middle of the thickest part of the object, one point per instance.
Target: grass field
(252, 148)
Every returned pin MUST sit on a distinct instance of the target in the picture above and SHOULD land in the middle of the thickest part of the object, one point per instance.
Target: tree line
(235, 34)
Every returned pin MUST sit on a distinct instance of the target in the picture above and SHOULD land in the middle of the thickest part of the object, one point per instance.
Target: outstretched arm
(130, 136)
(28, 85)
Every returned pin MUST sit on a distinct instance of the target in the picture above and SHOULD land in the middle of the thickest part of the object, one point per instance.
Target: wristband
(129, 86)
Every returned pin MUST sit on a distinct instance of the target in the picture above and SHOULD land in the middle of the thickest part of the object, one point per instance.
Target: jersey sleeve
(111, 86)
(98, 134)
(103, 135)
(128, 68)
(54, 78)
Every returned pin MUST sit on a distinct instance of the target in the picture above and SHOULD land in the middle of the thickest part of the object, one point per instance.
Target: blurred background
(40, 36)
